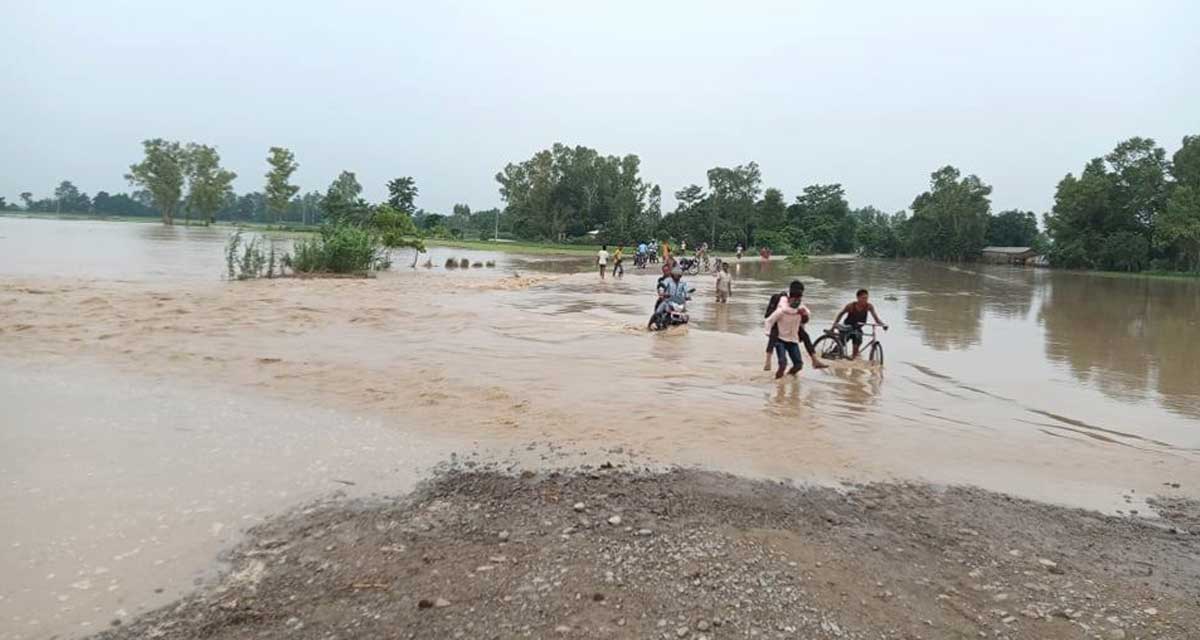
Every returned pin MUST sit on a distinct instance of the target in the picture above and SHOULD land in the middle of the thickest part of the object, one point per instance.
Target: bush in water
(464, 263)
(451, 263)
(342, 248)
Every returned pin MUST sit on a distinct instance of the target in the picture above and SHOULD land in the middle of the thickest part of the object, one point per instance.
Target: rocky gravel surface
(611, 553)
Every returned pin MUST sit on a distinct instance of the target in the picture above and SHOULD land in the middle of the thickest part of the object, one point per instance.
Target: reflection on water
(1127, 336)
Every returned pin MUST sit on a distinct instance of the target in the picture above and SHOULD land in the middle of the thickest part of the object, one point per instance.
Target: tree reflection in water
(1127, 336)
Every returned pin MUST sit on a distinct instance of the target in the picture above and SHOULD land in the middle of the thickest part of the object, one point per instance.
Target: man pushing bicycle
(856, 316)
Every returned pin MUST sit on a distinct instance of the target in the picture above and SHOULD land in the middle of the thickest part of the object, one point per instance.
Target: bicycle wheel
(829, 348)
(876, 354)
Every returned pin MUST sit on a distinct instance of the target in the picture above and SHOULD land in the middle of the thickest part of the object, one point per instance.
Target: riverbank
(605, 552)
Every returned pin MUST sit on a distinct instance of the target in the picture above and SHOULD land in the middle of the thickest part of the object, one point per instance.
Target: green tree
(1139, 170)
(279, 190)
(396, 228)
(822, 215)
(772, 213)
(1119, 196)
(734, 192)
(570, 191)
(161, 173)
(65, 196)
(1185, 164)
(402, 194)
(208, 184)
(342, 203)
(1012, 228)
(653, 213)
(949, 222)
(1179, 225)
(27, 199)
(876, 233)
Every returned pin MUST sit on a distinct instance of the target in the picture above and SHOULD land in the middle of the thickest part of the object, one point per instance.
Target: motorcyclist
(672, 293)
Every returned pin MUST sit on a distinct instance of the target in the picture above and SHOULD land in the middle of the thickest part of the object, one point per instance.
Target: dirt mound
(612, 554)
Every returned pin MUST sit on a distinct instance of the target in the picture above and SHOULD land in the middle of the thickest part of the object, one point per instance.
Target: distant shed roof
(1012, 250)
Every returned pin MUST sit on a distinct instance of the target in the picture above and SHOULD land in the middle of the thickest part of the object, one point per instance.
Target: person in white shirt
(602, 260)
(787, 318)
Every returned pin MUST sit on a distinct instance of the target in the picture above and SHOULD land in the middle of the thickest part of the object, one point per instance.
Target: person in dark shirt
(772, 304)
(856, 316)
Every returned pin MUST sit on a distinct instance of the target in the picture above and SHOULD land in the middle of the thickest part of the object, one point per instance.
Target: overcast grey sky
(874, 95)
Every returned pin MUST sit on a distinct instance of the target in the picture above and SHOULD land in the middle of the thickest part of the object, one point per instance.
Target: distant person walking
(618, 270)
(602, 260)
(724, 284)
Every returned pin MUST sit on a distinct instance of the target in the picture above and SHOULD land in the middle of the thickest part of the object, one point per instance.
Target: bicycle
(833, 345)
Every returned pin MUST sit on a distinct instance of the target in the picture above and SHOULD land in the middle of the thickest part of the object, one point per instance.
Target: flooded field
(147, 401)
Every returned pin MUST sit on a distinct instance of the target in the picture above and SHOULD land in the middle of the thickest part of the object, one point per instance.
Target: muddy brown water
(153, 410)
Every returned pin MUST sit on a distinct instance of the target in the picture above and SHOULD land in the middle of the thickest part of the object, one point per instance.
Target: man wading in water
(785, 324)
(856, 317)
(602, 260)
(773, 336)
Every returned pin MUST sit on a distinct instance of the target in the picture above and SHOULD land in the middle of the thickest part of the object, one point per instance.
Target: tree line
(1131, 210)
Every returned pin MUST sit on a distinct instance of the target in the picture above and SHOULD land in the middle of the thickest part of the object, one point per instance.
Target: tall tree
(402, 194)
(65, 195)
(1012, 228)
(208, 184)
(733, 193)
(279, 190)
(949, 221)
(569, 191)
(876, 233)
(1179, 225)
(822, 216)
(27, 199)
(772, 213)
(1106, 217)
(161, 173)
(1139, 169)
(342, 202)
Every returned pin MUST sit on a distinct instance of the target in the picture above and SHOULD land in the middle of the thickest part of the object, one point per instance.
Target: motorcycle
(673, 315)
(690, 266)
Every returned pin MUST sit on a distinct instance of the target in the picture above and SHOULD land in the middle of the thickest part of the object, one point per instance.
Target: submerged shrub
(464, 263)
(451, 263)
(246, 259)
(341, 248)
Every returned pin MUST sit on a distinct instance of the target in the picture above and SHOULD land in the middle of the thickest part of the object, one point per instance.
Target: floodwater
(152, 410)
